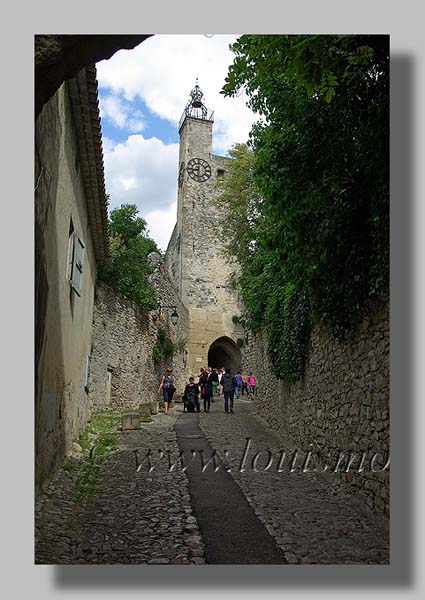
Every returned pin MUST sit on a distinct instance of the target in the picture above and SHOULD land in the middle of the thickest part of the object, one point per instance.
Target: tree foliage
(239, 195)
(315, 241)
(128, 267)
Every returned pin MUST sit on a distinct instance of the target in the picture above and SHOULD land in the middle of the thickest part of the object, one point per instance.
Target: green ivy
(164, 348)
(307, 201)
(288, 329)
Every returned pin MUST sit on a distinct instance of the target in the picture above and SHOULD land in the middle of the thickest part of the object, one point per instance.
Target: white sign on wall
(198, 359)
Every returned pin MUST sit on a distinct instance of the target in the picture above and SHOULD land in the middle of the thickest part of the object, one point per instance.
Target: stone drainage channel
(231, 532)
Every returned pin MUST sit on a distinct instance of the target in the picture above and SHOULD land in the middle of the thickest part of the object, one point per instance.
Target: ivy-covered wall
(123, 372)
(341, 404)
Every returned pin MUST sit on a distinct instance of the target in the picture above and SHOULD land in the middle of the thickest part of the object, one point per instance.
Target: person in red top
(252, 384)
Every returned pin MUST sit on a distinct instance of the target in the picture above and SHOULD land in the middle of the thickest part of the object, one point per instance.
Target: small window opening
(76, 251)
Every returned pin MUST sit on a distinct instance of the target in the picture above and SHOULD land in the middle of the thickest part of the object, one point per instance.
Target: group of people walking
(211, 384)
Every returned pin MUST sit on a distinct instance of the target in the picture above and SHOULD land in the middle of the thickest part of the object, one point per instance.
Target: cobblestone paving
(312, 518)
(142, 517)
(135, 517)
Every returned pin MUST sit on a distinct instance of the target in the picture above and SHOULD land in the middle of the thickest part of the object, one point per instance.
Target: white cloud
(120, 113)
(143, 172)
(162, 71)
(161, 224)
(108, 144)
(129, 183)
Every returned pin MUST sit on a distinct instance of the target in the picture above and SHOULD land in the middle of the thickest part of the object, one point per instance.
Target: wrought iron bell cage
(195, 107)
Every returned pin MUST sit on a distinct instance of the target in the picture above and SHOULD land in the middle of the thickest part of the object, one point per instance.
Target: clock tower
(194, 254)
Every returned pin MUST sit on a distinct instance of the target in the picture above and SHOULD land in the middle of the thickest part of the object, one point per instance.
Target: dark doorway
(223, 352)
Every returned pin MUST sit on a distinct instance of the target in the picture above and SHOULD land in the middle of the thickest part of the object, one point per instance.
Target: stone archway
(223, 352)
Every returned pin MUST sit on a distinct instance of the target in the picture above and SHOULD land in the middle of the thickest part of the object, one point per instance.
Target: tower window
(220, 173)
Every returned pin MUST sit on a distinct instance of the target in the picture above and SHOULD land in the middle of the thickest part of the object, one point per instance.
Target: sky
(142, 95)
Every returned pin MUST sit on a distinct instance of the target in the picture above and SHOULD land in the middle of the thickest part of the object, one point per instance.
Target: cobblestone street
(135, 517)
(314, 519)
(139, 516)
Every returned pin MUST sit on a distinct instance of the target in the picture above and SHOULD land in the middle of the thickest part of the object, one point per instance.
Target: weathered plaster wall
(123, 342)
(342, 402)
(63, 320)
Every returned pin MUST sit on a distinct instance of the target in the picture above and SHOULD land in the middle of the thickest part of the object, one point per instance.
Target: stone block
(379, 504)
(145, 409)
(130, 420)
(154, 407)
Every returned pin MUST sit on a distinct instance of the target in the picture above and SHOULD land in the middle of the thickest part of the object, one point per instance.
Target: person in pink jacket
(252, 384)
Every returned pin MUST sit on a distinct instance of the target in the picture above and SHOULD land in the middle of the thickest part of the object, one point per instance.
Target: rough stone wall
(341, 404)
(172, 256)
(123, 342)
(63, 319)
(168, 295)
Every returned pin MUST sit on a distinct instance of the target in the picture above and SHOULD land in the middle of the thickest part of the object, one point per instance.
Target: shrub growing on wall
(164, 348)
(128, 267)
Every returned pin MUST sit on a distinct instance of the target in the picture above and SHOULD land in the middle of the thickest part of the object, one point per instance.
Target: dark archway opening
(223, 352)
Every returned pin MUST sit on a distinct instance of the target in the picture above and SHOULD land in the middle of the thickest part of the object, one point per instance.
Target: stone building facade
(340, 405)
(193, 257)
(71, 237)
(123, 372)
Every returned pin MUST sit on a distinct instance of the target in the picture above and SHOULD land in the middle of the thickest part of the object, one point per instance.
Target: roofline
(83, 92)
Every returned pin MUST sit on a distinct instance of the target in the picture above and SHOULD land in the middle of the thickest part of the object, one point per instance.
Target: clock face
(181, 174)
(199, 169)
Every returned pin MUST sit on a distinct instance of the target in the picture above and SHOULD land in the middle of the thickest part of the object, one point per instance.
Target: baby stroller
(189, 402)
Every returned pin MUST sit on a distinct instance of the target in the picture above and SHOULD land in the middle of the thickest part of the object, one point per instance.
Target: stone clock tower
(193, 257)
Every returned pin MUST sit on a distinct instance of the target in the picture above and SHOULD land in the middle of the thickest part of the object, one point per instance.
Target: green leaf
(329, 94)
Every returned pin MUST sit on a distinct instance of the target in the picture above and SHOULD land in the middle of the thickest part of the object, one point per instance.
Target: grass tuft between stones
(97, 441)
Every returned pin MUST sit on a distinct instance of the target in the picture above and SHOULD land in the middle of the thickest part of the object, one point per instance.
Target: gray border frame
(404, 22)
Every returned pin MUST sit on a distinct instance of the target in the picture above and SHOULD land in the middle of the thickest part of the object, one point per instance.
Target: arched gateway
(223, 352)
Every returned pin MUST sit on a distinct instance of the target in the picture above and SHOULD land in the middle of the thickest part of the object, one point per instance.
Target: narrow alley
(214, 254)
(151, 512)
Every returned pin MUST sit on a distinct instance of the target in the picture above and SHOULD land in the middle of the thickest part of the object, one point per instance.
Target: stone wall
(123, 374)
(341, 404)
(167, 293)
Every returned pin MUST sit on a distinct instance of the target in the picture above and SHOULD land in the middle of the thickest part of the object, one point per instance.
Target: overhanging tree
(320, 244)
